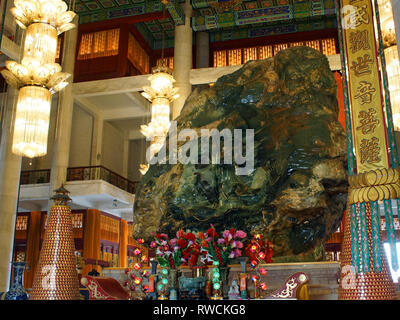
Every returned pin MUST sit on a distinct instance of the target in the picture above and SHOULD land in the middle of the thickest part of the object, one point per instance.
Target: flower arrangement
(220, 249)
(172, 253)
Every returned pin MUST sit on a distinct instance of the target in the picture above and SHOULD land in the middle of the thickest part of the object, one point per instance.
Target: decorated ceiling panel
(224, 19)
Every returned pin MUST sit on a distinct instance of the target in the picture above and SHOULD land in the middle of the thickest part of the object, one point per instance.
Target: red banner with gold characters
(365, 92)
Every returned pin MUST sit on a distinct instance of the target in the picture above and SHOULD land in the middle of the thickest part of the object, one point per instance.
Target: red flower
(182, 243)
(190, 236)
(200, 235)
(180, 233)
(204, 244)
(212, 232)
(232, 231)
(158, 236)
(193, 259)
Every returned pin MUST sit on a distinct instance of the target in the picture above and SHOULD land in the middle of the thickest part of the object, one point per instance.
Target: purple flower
(232, 255)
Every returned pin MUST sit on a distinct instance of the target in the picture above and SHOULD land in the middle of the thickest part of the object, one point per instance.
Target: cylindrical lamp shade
(387, 22)
(160, 116)
(41, 43)
(393, 72)
(32, 122)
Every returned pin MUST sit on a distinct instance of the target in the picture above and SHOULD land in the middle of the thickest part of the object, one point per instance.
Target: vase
(224, 272)
(174, 274)
(17, 291)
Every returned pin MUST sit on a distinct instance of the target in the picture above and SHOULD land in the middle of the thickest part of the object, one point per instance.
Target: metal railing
(81, 174)
(35, 176)
(101, 173)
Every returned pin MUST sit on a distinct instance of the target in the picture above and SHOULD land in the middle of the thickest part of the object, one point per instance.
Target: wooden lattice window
(328, 46)
(77, 220)
(21, 223)
(99, 44)
(239, 56)
(167, 61)
(137, 55)
(109, 228)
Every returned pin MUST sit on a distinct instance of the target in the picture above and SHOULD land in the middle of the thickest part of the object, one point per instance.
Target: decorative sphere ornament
(216, 286)
(261, 255)
(216, 275)
(138, 280)
(137, 251)
(160, 287)
(164, 271)
(263, 286)
(262, 271)
(216, 263)
(253, 263)
(137, 266)
(164, 281)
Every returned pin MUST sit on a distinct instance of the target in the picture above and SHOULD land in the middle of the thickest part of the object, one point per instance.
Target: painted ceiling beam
(130, 13)
(256, 16)
(176, 12)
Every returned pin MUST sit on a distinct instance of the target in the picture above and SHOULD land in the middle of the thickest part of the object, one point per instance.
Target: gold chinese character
(365, 92)
(361, 67)
(368, 121)
(361, 15)
(369, 150)
(359, 40)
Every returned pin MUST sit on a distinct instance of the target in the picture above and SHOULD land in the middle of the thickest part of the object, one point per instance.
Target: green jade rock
(296, 194)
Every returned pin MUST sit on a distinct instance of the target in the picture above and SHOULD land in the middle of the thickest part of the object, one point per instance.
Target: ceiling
(242, 19)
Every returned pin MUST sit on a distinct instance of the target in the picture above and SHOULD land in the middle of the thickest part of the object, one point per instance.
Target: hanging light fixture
(160, 93)
(391, 58)
(37, 76)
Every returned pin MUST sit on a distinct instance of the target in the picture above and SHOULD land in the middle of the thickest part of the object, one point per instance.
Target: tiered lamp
(56, 277)
(37, 76)
(160, 93)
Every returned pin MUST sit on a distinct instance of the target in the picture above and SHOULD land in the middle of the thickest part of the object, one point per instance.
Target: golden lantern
(32, 121)
(37, 76)
(160, 92)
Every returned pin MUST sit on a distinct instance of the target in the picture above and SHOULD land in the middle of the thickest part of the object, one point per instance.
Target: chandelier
(37, 76)
(160, 93)
(391, 58)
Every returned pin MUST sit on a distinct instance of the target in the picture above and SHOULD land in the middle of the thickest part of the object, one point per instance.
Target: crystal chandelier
(391, 58)
(37, 76)
(160, 93)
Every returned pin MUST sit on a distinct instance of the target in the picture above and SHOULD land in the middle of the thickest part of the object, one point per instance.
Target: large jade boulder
(297, 192)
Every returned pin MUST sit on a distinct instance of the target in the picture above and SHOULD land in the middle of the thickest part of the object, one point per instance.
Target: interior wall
(112, 148)
(81, 138)
(137, 155)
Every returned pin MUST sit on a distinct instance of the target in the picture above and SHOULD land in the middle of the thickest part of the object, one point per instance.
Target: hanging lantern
(160, 93)
(32, 122)
(393, 72)
(37, 76)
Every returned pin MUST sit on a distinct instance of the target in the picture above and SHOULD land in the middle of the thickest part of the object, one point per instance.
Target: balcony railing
(35, 176)
(81, 174)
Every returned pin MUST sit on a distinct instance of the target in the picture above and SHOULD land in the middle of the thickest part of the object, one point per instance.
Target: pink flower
(153, 244)
(238, 253)
(163, 235)
(173, 242)
(240, 234)
(238, 244)
(221, 241)
(232, 255)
